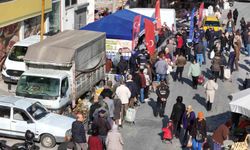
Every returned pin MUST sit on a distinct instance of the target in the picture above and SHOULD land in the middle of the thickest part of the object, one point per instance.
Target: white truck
(61, 68)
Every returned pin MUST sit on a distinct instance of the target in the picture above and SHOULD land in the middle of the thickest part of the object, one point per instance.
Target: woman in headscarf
(114, 139)
(199, 132)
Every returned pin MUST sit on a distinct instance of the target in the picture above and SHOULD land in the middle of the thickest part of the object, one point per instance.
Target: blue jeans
(216, 146)
(196, 145)
(248, 49)
(199, 58)
(160, 77)
(142, 95)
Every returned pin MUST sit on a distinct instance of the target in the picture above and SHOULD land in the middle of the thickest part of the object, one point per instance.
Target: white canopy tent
(241, 102)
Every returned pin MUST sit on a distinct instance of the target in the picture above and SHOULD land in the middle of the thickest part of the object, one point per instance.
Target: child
(168, 132)
(94, 142)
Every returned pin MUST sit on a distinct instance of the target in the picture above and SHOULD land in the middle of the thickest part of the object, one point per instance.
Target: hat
(200, 115)
(101, 111)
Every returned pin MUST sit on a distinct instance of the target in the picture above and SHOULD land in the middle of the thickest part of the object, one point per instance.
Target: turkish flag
(201, 14)
(136, 30)
(157, 14)
(149, 36)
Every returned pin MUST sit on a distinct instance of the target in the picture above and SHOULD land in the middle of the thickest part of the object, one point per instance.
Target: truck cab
(51, 88)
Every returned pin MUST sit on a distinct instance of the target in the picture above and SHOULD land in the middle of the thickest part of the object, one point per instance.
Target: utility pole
(42, 21)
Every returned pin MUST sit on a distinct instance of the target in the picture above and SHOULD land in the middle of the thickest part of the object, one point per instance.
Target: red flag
(157, 14)
(136, 30)
(149, 36)
(201, 14)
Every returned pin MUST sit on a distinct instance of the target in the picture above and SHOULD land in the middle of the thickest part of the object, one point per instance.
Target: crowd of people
(143, 74)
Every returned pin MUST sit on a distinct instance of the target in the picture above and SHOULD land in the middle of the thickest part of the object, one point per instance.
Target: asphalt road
(144, 135)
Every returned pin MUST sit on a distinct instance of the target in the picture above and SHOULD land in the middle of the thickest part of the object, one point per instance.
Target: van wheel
(48, 141)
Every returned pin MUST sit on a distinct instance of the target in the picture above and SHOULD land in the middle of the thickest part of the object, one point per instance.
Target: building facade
(20, 19)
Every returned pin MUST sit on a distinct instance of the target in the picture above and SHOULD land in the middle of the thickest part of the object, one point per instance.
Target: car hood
(58, 121)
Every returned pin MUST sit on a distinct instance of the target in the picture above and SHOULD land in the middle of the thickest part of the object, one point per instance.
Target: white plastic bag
(212, 54)
(130, 115)
(227, 73)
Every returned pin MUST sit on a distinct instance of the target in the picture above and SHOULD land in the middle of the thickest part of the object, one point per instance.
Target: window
(67, 3)
(65, 85)
(2, 1)
(20, 115)
(4, 112)
(70, 2)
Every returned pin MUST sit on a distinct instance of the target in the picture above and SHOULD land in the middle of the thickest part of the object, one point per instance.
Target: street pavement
(145, 134)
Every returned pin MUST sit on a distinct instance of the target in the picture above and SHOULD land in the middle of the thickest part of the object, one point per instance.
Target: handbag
(212, 54)
(227, 73)
(201, 79)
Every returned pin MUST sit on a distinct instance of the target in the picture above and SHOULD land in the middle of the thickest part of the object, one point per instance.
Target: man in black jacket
(133, 89)
(162, 93)
(176, 115)
(78, 132)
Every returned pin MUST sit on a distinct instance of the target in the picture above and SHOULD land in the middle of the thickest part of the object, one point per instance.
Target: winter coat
(161, 67)
(237, 47)
(216, 64)
(122, 67)
(132, 87)
(194, 70)
(137, 80)
(114, 140)
(210, 86)
(123, 93)
(143, 80)
(179, 42)
(177, 111)
(92, 109)
(102, 124)
(221, 134)
(78, 132)
(199, 48)
(235, 14)
(95, 143)
(181, 61)
(201, 127)
(111, 106)
(118, 108)
(188, 120)
(107, 92)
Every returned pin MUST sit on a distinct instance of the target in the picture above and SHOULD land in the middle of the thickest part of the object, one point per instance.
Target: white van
(14, 65)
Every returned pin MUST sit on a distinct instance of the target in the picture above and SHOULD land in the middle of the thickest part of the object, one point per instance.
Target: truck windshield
(38, 87)
(212, 23)
(18, 53)
(37, 111)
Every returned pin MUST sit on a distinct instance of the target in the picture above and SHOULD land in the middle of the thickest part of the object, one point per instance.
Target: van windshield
(37, 111)
(18, 53)
(38, 87)
(212, 23)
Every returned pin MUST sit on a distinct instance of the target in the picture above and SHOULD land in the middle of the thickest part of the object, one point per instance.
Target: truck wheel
(48, 141)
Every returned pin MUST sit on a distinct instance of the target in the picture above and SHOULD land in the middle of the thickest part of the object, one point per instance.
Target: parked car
(17, 115)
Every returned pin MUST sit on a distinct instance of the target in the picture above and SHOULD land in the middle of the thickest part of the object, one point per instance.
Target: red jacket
(179, 42)
(95, 143)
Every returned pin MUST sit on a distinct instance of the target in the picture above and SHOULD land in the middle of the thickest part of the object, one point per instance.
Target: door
(5, 120)
(80, 18)
(65, 91)
(21, 122)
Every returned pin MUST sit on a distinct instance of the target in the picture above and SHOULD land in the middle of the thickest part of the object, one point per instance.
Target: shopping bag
(130, 115)
(189, 144)
(201, 79)
(227, 73)
(212, 54)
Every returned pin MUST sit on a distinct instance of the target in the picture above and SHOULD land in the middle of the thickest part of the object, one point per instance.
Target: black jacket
(92, 109)
(177, 111)
(201, 127)
(133, 88)
(102, 125)
(107, 93)
(78, 132)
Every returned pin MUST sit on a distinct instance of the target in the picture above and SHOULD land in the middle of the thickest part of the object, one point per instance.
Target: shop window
(4, 112)
(67, 3)
(3, 1)
(73, 2)
(70, 2)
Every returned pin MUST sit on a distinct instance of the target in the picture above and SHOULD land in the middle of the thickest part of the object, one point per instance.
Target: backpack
(163, 92)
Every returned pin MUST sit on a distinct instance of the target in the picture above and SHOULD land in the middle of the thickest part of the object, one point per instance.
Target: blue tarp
(118, 25)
